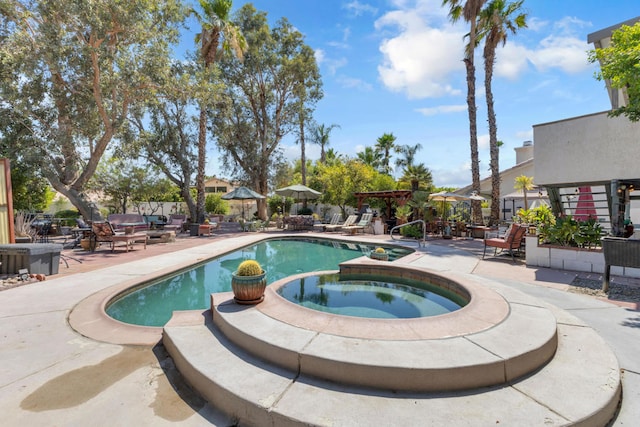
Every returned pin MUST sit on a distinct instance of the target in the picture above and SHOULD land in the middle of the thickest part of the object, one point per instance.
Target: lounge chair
(335, 219)
(175, 222)
(349, 221)
(365, 221)
(511, 241)
(103, 232)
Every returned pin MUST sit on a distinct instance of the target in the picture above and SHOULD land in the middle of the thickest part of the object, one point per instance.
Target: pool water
(368, 297)
(153, 305)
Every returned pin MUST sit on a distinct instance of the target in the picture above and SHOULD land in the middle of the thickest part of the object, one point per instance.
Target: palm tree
(385, 144)
(496, 21)
(416, 175)
(470, 10)
(408, 155)
(321, 137)
(216, 26)
(524, 183)
(370, 157)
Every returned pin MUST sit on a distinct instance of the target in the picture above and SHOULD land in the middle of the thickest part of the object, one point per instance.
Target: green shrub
(566, 231)
(412, 231)
(67, 217)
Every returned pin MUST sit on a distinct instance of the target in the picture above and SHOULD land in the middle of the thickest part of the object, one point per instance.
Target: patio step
(579, 385)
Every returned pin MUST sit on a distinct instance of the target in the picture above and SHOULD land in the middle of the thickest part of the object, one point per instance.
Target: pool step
(580, 385)
(493, 357)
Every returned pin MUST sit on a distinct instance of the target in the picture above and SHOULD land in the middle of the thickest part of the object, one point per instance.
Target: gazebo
(401, 197)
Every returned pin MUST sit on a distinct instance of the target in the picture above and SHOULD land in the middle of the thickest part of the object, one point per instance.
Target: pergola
(401, 197)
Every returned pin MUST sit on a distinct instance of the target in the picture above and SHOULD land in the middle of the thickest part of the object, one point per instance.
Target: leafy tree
(340, 180)
(165, 132)
(71, 72)
(320, 136)
(384, 145)
(619, 66)
(31, 192)
(524, 183)
(262, 103)
(128, 184)
(214, 204)
(216, 27)
(469, 10)
(497, 19)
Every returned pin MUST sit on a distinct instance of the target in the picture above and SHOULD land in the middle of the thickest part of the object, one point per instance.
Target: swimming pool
(153, 304)
(370, 296)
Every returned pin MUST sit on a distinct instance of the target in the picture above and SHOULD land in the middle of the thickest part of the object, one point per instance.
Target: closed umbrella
(242, 193)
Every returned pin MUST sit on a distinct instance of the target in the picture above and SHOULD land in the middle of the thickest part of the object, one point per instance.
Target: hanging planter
(248, 283)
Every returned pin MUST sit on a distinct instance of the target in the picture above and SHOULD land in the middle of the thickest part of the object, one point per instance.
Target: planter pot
(88, 244)
(248, 290)
(380, 256)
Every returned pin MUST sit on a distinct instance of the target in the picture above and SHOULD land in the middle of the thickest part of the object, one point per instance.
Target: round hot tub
(371, 296)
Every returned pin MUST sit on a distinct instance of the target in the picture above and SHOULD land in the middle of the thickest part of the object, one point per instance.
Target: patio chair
(335, 219)
(511, 241)
(175, 223)
(365, 221)
(349, 221)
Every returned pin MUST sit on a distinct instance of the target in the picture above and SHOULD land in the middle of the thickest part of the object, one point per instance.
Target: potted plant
(380, 254)
(248, 282)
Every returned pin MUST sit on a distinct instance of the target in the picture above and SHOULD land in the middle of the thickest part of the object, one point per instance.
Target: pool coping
(89, 318)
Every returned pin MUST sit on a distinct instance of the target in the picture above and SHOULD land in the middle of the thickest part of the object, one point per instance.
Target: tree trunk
(473, 139)
(202, 151)
(493, 139)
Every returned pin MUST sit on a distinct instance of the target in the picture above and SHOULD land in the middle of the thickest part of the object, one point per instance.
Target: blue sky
(394, 66)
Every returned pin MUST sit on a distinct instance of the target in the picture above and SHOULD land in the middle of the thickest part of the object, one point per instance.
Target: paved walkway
(51, 375)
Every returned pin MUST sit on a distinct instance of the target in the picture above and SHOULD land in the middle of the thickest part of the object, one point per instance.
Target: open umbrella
(298, 192)
(445, 196)
(242, 193)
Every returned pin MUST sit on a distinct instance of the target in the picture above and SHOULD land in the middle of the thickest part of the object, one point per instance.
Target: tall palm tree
(524, 183)
(385, 144)
(216, 26)
(321, 137)
(408, 155)
(496, 20)
(370, 157)
(469, 10)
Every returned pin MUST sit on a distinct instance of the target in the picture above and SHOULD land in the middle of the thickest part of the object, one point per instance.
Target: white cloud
(359, 9)
(442, 109)
(511, 61)
(420, 59)
(567, 53)
(331, 64)
(353, 83)
(483, 142)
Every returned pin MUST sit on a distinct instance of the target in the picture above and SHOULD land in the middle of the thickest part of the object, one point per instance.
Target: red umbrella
(585, 207)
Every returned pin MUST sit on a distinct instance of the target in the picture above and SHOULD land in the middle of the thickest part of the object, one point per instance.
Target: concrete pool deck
(52, 375)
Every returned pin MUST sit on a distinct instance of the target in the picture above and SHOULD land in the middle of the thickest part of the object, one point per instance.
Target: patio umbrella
(298, 192)
(444, 197)
(242, 193)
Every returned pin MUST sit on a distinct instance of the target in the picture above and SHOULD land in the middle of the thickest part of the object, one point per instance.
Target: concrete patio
(52, 375)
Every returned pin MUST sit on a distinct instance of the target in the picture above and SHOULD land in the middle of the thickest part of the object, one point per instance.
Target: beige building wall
(592, 148)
